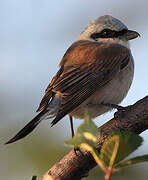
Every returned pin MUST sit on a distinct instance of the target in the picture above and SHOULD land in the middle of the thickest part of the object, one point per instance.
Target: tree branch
(72, 166)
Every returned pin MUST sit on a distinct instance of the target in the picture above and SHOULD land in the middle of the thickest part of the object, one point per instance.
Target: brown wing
(86, 67)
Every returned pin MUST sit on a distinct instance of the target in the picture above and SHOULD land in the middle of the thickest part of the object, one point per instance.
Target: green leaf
(86, 137)
(88, 126)
(33, 178)
(135, 160)
(109, 150)
(118, 146)
(86, 133)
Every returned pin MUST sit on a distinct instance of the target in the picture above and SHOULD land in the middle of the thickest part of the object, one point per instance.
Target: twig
(74, 166)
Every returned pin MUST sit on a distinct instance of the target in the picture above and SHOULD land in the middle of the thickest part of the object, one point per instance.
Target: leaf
(135, 160)
(88, 126)
(86, 138)
(86, 133)
(116, 149)
(109, 152)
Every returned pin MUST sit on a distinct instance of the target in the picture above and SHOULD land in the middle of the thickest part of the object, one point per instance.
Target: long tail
(28, 128)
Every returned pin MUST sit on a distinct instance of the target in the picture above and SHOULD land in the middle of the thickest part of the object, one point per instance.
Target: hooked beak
(131, 35)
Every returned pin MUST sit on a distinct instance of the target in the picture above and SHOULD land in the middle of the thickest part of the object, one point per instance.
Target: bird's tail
(28, 128)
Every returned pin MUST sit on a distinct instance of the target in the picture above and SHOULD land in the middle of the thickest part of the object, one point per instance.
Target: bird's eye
(107, 33)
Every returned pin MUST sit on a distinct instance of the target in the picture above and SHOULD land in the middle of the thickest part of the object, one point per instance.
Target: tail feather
(47, 113)
(27, 129)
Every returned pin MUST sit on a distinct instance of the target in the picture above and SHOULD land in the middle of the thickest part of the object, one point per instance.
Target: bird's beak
(131, 35)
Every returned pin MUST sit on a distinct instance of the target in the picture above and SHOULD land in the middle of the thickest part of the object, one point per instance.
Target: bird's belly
(113, 92)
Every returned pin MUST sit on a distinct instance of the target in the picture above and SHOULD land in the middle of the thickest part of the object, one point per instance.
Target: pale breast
(113, 92)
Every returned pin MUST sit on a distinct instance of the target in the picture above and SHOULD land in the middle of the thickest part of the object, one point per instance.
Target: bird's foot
(115, 106)
(77, 150)
(121, 110)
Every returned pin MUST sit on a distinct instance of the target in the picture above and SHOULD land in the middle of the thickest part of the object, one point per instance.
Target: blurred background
(34, 35)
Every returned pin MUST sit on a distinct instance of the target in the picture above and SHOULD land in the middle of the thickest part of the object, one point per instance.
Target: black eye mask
(108, 33)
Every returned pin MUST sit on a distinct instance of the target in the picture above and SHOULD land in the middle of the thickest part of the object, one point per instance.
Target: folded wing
(85, 67)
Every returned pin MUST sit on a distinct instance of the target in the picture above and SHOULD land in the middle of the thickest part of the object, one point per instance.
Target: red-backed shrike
(97, 68)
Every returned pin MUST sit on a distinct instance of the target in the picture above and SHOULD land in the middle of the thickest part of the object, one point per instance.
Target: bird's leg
(115, 106)
(72, 133)
(121, 109)
(71, 126)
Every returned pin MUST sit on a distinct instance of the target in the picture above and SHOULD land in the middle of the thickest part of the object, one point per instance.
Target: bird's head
(108, 29)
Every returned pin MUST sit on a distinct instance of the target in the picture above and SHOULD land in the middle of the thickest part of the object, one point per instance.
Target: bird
(96, 70)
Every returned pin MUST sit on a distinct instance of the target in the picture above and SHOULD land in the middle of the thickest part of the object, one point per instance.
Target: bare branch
(73, 166)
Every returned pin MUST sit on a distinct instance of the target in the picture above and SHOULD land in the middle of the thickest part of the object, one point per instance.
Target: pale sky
(35, 34)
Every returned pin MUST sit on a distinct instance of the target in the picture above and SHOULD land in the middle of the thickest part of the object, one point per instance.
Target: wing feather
(86, 67)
